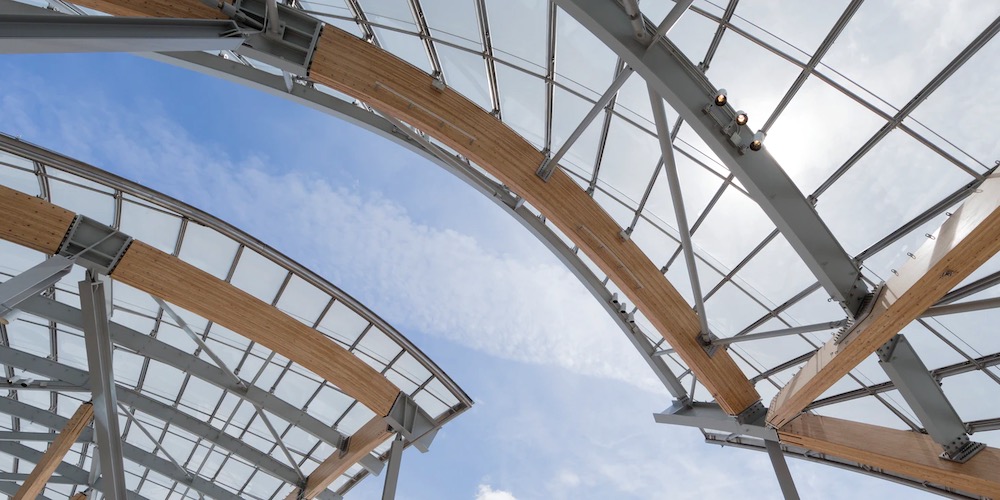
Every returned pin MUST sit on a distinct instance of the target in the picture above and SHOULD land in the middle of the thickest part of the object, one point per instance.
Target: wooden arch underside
(359, 69)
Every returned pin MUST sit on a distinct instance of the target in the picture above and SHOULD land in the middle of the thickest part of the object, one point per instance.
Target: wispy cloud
(486, 492)
(521, 305)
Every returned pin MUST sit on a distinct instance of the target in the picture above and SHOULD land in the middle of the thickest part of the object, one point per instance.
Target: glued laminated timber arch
(363, 71)
(350, 65)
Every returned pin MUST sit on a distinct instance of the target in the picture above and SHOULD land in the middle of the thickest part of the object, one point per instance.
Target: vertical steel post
(781, 469)
(392, 472)
(97, 335)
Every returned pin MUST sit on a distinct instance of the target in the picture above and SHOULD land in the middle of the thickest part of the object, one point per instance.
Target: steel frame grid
(772, 312)
(142, 196)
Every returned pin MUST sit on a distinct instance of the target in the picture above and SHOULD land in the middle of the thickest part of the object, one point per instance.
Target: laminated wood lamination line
(903, 452)
(53, 456)
(963, 243)
(35, 223)
(362, 442)
(384, 81)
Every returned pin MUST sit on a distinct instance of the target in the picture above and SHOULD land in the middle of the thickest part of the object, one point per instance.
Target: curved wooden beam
(903, 452)
(35, 223)
(361, 443)
(361, 70)
(53, 456)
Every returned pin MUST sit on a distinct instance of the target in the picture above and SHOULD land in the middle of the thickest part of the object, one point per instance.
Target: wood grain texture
(31, 221)
(375, 76)
(53, 456)
(903, 452)
(362, 442)
(963, 243)
(79, 496)
(361, 70)
(180, 283)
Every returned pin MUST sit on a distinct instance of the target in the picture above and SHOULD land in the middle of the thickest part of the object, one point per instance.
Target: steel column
(102, 384)
(392, 471)
(924, 396)
(781, 469)
(35, 34)
(687, 90)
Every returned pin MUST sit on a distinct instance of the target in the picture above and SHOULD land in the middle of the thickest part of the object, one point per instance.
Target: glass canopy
(878, 112)
(176, 404)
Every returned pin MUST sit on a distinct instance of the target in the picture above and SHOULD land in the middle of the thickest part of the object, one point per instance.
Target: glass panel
(453, 20)
(342, 323)
(793, 26)
(896, 67)
(519, 30)
(21, 180)
(466, 73)
(522, 99)
(897, 179)
(303, 301)
(150, 226)
(93, 204)
(258, 276)
(208, 250)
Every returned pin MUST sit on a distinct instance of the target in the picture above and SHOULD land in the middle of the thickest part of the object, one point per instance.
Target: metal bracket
(961, 450)
(412, 422)
(94, 245)
(547, 167)
(707, 341)
(752, 414)
(285, 40)
(867, 304)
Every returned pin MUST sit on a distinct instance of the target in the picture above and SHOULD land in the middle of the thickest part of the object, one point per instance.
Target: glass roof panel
(887, 181)
(208, 250)
(466, 73)
(925, 38)
(518, 29)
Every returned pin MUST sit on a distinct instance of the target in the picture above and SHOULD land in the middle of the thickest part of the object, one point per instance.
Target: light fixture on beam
(720, 97)
(741, 118)
(758, 141)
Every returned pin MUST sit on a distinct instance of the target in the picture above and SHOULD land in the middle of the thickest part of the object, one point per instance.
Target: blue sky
(563, 403)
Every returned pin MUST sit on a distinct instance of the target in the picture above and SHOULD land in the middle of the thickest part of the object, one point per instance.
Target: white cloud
(486, 492)
(523, 305)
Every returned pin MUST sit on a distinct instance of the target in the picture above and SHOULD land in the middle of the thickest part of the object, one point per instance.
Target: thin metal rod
(670, 169)
(156, 443)
(973, 288)
(594, 111)
(961, 307)
(278, 441)
(197, 339)
(671, 19)
(817, 327)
